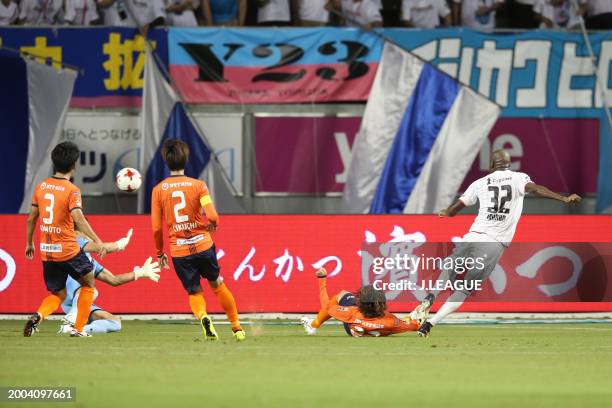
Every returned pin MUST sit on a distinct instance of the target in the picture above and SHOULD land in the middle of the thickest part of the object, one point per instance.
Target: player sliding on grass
(178, 201)
(60, 208)
(500, 196)
(364, 314)
(101, 321)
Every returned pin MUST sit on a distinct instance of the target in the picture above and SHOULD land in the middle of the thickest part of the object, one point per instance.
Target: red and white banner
(310, 155)
(269, 261)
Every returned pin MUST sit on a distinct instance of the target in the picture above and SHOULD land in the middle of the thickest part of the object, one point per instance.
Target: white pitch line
(549, 327)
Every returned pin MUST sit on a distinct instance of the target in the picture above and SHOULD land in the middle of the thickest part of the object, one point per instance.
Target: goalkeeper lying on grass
(363, 314)
(101, 321)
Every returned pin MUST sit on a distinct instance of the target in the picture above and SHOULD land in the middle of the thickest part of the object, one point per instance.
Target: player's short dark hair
(64, 157)
(371, 302)
(175, 153)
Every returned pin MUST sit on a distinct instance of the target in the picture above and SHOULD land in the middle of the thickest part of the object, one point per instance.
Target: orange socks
(321, 318)
(86, 297)
(49, 305)
(226, 299)
(323, 296)
(198, 305)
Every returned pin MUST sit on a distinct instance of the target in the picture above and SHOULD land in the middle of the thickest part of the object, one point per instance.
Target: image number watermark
(41, 394)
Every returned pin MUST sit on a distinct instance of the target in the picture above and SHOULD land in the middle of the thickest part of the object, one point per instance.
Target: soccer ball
(128, 179)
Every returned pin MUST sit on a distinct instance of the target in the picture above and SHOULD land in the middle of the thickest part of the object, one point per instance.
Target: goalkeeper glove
(149, 270)
(123, 242)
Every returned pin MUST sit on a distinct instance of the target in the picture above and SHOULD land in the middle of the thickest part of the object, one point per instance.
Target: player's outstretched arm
(452, 210)
(149, 270)
(542, 191)
(109, 247)
(30, 225)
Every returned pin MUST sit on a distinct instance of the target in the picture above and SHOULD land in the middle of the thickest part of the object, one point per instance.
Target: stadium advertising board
(274, 271)
(111, 69)
(311, 155)
(111, 141)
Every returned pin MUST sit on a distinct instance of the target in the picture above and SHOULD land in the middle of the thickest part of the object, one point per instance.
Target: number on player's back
(500, 196)
(180, 205)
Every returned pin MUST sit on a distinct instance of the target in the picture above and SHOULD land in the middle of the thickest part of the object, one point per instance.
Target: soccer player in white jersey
(500, 195)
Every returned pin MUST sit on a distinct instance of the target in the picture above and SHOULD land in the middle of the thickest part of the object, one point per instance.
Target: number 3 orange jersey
(56, 198)
(178, 201)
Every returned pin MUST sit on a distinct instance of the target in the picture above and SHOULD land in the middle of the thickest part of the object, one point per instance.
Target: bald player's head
(500, 160)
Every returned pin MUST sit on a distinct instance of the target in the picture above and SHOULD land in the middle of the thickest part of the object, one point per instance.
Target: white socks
(452, 304)
(446, 309)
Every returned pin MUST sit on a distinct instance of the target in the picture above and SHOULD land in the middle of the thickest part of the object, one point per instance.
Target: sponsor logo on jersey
(56, 248)
(166, 186)
(45, 186)
(370, 325)
(190, 241)
(498, 180)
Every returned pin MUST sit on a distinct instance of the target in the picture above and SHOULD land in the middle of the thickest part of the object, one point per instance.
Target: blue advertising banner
(541, 73)
(111, 58)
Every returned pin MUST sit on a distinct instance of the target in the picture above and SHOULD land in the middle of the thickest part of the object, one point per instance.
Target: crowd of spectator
(483, 15)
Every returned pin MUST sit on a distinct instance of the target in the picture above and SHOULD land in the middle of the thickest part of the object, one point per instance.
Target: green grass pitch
(163, 364)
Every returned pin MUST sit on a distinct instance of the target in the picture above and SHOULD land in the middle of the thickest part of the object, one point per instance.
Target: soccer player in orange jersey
(364, 314)
(177, 202)
(58, 201)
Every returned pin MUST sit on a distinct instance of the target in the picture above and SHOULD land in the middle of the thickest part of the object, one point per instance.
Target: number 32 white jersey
(500, 196)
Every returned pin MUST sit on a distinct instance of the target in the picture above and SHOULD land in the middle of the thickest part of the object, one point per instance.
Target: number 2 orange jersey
(56, 198)
(178, 201)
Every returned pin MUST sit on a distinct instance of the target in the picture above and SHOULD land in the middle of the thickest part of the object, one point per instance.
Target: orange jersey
(178, 201)
(56, 198)
(369, 326)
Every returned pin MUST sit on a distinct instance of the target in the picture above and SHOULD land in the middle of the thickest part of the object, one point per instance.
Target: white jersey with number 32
(500, 196)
